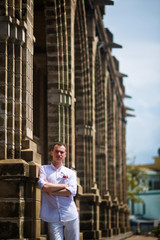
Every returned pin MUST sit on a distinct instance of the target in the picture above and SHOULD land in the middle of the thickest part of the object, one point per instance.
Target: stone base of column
(106, 233)
(19, 200)
(116, 231)
(80, 236)
(123, 229)
(92, 235)
(89, 213)
(109, 232)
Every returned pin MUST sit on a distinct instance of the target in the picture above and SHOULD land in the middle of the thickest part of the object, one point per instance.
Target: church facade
(60, 82)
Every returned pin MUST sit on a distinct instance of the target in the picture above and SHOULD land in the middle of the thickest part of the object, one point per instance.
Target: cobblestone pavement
(130, 236)
(141, 237)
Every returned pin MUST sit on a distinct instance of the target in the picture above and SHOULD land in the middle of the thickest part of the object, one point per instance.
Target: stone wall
(60, 82)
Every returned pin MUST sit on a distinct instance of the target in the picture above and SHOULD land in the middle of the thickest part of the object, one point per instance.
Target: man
(59, 185)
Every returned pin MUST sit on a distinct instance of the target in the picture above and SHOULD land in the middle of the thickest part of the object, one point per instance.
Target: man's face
(58, 154)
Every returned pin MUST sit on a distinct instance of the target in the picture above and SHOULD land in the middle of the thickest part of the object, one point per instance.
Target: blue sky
(135, 25)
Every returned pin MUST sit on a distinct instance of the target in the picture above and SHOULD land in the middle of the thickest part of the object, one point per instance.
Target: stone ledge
(14, 167)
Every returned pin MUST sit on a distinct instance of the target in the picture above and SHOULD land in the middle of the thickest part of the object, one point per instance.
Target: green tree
(136, 183)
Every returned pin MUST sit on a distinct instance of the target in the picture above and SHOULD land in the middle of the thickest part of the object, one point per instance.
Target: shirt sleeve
(42, 176)
(72, 186)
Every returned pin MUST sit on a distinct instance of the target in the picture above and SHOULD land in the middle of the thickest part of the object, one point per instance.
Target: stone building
(59, 81)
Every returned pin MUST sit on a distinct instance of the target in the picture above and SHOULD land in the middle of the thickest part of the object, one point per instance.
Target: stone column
(111, 139)
(19, 200)
(122, 220)
(11, 99)
(60, 59)
(109, 220)
(19, 165)
(4, 35)
(27, 69)
(103, 218)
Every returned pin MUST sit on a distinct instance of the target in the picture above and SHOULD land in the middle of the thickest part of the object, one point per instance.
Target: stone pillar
(4, 35)
(111, 139)
(27, 69)
(109, 220)
(92, 44)
(124, 179)
(122, 220)
(11, 100)
(19, 165)
(88, 214)
(60, 77)
(127, 223)
(118, 151)
(18, 99)
(19, 200)
(103, 218)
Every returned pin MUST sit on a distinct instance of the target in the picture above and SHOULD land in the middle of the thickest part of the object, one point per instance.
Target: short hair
(59, 144)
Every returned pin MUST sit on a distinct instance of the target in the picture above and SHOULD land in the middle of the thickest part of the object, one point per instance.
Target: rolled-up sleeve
(72, 186)
(42, 176)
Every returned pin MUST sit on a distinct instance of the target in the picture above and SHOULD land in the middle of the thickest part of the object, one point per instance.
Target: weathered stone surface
(68, 91)
(9, 189)
(9, 230)
(28, 144)
(34, 169)
(29, 155)
(11, 209)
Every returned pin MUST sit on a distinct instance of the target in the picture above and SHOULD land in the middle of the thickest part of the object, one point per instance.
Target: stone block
(122, 229)
(104, 233)
(28, 228)
(80, 236)
(79, 189)
(37, 211)
(28, 144)
(34, 169)
(11, 209)
(9, 230)
(29, 209)
(32, 209)
(32, 229)
(29, 192)
(37, 228)
(89, 235)
(14, 167)
(86, 215)
(29, 155)
(86, 225)
(38, 194)
(4, 30)
(9, 189)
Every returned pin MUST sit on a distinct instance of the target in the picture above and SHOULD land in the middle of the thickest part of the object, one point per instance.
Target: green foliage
(136, 183)
(156, 231)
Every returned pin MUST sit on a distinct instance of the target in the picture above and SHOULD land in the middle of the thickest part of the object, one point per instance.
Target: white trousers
(64, 230)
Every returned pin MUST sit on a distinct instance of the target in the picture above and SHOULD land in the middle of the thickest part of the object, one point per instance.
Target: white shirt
(57, 208)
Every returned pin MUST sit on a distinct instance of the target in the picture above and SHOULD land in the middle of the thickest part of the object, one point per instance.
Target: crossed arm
(56, 189)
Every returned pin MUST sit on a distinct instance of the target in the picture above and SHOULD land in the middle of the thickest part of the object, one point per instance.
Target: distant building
(150, 207)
